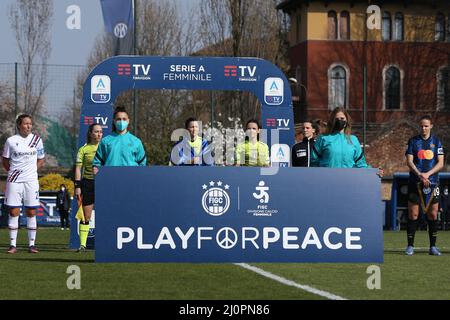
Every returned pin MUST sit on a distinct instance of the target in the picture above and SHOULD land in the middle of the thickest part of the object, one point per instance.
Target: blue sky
(70, 47)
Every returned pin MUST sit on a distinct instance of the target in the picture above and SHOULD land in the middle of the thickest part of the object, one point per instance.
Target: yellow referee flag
(80, 213)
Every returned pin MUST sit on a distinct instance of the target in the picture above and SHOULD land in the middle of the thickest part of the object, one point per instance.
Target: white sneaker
(62, 228)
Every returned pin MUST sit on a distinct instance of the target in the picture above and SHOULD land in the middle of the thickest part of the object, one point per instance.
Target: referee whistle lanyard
(429, 194)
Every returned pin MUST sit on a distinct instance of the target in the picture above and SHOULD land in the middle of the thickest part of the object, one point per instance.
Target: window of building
(386, 26)
(443, 89)
(398, 33)
(440, 27)
(392, 88)
(337, 92)
(332, 25)
(344, 25)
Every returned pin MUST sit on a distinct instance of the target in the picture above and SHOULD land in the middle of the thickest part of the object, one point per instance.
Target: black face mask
(340, 124)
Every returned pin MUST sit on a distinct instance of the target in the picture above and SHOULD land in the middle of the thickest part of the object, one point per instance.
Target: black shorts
(413, 194)
(88, 192)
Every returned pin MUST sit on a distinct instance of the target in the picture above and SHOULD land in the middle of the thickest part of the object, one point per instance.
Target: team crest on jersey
(215, 199)
(426, 190)
(432, 145)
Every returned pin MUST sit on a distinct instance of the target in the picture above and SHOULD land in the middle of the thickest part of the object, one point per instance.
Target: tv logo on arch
(245, 73)
(273, 91)
(140, 71)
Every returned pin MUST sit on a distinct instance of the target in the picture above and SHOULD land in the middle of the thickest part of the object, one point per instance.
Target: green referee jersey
(85, 157)
(252, 154)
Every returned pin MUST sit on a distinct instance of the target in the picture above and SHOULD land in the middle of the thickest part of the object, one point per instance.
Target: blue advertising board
(260, 77)
(230, 214)
(46, 215)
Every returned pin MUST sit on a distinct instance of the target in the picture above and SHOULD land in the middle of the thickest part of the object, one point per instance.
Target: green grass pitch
(43, 275)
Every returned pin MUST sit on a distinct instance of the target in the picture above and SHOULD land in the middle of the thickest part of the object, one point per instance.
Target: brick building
(406, 58)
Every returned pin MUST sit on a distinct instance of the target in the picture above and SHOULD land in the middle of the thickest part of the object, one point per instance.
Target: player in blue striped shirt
(425, 158)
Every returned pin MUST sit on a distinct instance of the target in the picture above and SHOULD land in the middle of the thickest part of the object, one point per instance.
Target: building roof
(289, 5)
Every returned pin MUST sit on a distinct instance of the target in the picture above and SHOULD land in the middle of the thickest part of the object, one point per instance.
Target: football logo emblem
(215, 200)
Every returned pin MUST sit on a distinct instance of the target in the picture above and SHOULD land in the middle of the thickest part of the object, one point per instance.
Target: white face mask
(446, 192)
(62, 189)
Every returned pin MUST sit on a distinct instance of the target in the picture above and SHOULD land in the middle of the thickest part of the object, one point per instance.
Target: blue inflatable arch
(122, 73)
(357, 225)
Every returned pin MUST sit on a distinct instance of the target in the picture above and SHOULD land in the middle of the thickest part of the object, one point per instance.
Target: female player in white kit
(23, 154)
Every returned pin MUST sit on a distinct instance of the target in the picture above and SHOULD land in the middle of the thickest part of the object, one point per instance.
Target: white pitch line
(291, 283)
(417, 248)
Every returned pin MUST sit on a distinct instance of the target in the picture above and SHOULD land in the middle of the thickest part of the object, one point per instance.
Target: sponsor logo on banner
(271, 122)
(230, 71)
(124, 69)
(280, 153)
(245, 73)
(88, 120)
(263, 198)
(215, 199)
(100, 89)
(282, 124)
(273, 91)
(139, 71)
(185, 72)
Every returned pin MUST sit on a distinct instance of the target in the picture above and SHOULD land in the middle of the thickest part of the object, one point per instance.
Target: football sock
(84, 230)
(13, 225)
(411, 228)
(432, 232)
(31, 226)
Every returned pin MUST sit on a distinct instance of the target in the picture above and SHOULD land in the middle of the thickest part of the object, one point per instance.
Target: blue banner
(119, 22)
(266, 81)
(229, 214)
(260, 77)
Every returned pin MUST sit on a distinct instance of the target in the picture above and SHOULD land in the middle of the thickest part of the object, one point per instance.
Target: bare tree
(238, 28)
(6, 111)
(160, 32)
(31, 21)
